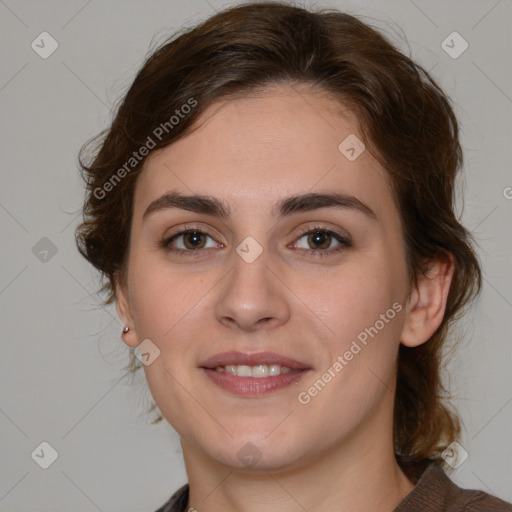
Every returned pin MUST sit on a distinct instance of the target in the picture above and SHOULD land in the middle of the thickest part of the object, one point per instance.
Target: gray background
(62, 378)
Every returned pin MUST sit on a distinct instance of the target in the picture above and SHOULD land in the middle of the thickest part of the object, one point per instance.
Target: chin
(253, 459)
(254, 451)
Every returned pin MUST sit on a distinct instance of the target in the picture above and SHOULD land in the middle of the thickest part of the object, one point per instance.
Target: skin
(336, 452)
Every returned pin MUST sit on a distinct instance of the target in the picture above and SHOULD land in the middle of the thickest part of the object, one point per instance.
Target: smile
(253, 375)
(258, 371)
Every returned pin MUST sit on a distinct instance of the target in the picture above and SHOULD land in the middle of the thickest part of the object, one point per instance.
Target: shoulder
(479, 501)
(435, 492)
(177, 502)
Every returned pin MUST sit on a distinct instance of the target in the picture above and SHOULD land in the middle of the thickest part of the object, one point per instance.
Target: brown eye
(322, 242)
(188, 241)
(194, 240)
(320, 239)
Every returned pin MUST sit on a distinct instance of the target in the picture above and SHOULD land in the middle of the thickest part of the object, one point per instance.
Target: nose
(252, 297)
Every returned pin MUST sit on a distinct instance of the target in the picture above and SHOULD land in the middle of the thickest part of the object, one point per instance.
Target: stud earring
(125, 330)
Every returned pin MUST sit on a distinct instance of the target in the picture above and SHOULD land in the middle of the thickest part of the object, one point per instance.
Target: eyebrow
(294, 204)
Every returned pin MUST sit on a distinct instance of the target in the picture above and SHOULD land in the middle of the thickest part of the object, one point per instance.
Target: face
(277, 302)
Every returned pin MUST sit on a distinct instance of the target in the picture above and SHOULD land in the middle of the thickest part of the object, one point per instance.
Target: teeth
(229, 369)
(275, 369)
(243, 371)
(258, 371)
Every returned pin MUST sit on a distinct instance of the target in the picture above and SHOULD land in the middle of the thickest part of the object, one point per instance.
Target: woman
(273, 210)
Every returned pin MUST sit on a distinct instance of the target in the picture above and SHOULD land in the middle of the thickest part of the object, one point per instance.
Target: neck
(357, 475)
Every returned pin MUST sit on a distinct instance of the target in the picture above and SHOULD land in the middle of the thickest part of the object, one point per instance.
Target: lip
(253, 386)
(235, 358)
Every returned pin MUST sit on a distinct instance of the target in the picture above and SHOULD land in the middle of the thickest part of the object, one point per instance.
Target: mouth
(253, 374)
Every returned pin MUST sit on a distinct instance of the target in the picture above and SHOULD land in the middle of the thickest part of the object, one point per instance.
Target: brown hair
(405, 119)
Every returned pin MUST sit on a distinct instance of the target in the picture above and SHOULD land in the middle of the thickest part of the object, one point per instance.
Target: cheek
(359, 298)
(162, 299)
(365, 313)
(365, 316)
(166, 309)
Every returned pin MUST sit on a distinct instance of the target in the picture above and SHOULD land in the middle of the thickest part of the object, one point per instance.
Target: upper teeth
(260, 370)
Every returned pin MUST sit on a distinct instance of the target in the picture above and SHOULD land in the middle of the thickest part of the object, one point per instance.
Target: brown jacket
(434, 492)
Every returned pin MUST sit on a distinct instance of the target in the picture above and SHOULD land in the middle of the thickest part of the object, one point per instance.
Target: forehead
(263, 146)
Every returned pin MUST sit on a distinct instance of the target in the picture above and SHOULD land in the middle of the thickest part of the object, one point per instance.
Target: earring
(125, 330)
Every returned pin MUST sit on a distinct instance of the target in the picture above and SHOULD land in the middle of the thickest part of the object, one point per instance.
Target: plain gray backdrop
(62, 379)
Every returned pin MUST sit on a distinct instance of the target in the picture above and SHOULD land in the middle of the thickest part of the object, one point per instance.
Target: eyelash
(315, 253)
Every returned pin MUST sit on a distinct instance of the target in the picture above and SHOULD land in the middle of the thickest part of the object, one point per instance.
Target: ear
(427, 302)
(124, 311)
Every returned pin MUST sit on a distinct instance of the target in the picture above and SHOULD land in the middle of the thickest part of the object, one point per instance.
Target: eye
(320, 241)
(188, 240)
(316, 241)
